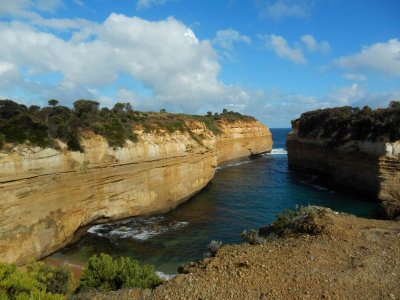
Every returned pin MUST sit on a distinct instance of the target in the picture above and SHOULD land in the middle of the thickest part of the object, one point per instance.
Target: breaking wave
(278, 151)
(136, 228)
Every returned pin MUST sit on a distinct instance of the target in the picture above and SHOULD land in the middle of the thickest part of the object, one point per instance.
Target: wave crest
(136, 228)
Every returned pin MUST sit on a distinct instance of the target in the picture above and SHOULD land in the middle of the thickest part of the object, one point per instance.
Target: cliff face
(370, 168)
(242, 139)
(46, 195)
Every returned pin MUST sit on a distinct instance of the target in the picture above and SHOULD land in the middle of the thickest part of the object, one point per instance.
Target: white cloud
(165, 56)
(23, 8)
(313, 46)
(278, 9)
(357, 95)
(8, 74)
(379, 57)
(141, 4)
(28, 11)
(282, 48)
(355, 77)
(125, 95)
(225, 40)
(347, 95)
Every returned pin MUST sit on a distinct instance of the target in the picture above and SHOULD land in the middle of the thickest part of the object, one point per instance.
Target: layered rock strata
(369, 168)
(46, 195)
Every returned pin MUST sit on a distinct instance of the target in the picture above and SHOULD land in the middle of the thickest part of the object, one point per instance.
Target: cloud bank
(380, 57)
(165, 56)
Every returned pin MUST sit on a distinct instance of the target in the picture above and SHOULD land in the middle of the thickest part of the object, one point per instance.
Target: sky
(272, 59)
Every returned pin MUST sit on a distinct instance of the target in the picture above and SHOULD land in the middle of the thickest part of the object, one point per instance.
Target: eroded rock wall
(371, 169)
(242, 139)
(46, 195)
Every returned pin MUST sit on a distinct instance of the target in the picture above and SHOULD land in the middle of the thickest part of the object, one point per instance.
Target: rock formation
(368, 166)
(46, 195)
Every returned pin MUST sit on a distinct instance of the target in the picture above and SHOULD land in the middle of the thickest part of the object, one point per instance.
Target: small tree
(209, 114)
(86, 107)
(53, 102)
(162, 110)
(224, 111)
(394, 104)
(122, 107)
(34, 108)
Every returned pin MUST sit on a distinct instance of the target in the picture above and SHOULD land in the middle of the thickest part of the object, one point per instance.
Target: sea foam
(136, 228)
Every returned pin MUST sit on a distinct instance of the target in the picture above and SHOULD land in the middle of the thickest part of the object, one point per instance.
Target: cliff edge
(357, 149)
(48, 193)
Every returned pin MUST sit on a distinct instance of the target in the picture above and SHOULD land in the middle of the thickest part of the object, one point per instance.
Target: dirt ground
(353, 258)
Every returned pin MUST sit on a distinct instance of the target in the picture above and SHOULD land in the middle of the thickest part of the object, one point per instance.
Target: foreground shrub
(57, 280)
(252, 237)
(212, 248)
(106, 274)
(304, 220)
(30, 284)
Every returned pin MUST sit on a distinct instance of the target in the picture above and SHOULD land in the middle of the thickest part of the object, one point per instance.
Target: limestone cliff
(369, 168)
(46, 195)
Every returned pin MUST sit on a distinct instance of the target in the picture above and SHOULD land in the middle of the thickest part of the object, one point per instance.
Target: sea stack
(358, 149)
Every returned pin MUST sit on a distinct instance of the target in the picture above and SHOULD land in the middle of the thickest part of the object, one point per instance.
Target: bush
(212, 248)
(41, 126)
(57, 280)
(339, 125)
(38, 282)
(304, 220)
(252, 237)
(106, 274)
(2, 140)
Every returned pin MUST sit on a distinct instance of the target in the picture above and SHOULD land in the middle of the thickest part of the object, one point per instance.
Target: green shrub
(2, 141)
(339, 125)
(58, 280)
(41, 126)
(212, 248)
(304, 220)
(37, 282)
(106, 274)
(252, 237)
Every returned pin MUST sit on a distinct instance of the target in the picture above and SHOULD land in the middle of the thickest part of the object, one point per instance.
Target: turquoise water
(247, 194)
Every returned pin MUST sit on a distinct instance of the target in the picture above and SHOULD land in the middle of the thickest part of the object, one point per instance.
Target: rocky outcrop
(353, 258)
(46, 195)
(369, 168)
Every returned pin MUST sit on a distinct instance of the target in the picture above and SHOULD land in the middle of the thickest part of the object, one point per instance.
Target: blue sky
(273, 59)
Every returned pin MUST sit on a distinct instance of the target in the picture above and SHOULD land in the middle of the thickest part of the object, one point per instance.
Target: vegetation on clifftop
(41, 126)
(37, 281)
(342, 124)
(105, 274)
(41, 281)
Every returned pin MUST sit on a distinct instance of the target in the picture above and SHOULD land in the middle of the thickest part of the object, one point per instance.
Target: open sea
(245, 194)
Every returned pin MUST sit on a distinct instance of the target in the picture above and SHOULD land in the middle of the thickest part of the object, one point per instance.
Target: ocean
(243, 195)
